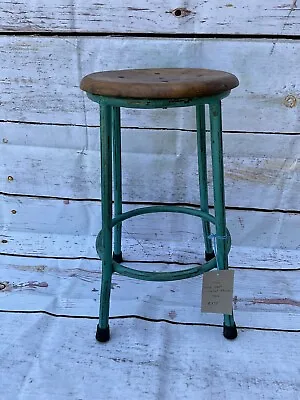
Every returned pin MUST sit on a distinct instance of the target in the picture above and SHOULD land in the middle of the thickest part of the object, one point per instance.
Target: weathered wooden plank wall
(63, 228)
(254, 163)
(49, 142)
(149, 16)
(253, 293)
(49, 70)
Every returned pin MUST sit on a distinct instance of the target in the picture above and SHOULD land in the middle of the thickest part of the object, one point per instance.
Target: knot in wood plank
(181, 12)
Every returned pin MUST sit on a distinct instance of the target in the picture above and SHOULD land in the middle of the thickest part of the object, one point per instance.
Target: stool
(159, 88)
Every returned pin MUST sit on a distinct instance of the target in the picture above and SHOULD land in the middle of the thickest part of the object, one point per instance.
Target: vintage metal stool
(159, 88)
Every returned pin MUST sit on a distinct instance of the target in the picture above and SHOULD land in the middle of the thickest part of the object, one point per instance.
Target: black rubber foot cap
(209, 256)
(229, 332)
(118, 257)
(102, 334)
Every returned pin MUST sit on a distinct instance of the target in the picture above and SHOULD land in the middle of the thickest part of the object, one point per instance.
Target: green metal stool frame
(110, 137)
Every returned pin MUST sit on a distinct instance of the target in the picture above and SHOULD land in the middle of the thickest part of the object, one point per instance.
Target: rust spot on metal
(4, 140)
(181, 12)
(4, 241)
(275, 301)
(2, 285)
(13, 211)
(290, 101)
(289, 302)
(66, 201)
(229, 5)
(10, 178)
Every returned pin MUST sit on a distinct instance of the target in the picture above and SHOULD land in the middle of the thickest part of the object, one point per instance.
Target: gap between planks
(160, 320)
(151, 203)
(4, 121)
(150, 35)
(145, 262)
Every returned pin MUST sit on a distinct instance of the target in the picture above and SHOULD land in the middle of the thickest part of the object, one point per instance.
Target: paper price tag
(217, 292)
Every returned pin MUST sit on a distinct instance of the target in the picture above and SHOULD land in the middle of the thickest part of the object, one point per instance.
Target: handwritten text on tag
(217, 292)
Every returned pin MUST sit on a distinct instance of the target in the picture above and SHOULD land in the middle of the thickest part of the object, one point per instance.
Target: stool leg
(102, 334)
(117, 169)
(202, 173)
(229, 330)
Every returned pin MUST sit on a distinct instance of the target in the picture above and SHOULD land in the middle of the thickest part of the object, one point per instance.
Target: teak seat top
(160, 83)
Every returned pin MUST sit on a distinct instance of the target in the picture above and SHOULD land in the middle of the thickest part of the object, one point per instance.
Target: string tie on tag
(214, 237)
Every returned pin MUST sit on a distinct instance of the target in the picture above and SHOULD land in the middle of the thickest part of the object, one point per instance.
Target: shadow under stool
(149, 89)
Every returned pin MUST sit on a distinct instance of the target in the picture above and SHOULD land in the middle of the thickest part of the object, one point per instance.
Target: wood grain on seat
(161, 83)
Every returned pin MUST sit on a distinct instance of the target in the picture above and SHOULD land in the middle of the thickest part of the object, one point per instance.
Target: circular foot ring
(230, 332)
(162, 276)
(102, 334)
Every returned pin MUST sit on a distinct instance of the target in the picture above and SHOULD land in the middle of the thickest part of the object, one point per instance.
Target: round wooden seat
(161, 83)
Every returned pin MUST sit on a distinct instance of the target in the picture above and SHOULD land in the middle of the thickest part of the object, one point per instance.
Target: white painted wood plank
(44, 227)
(41, 76)
(60, 358)
(158, 166)
(262, 299)
(140, 140)
(139, 16)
